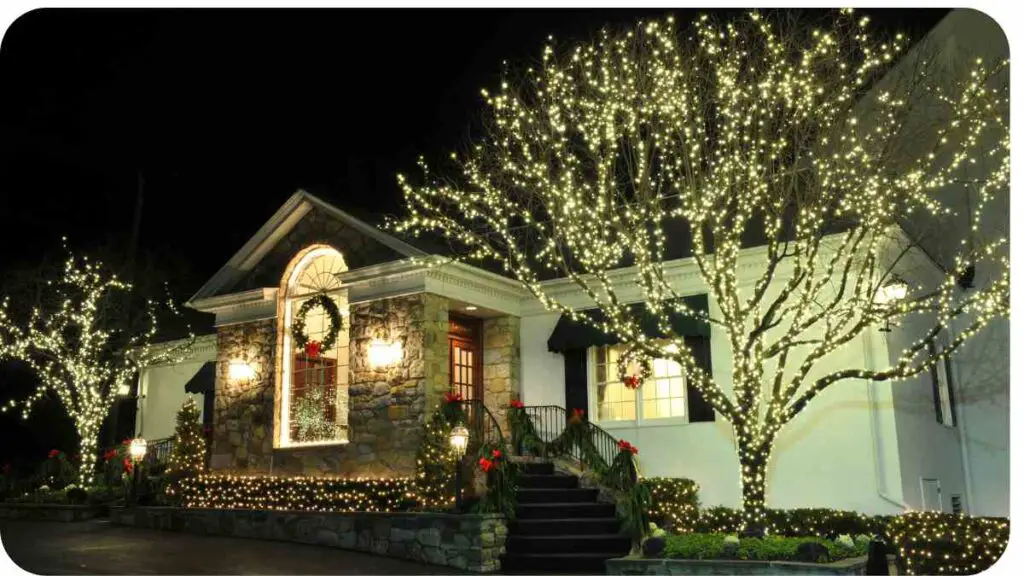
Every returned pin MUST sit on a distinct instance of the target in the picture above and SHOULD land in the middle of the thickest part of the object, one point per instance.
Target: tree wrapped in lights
(83, 345)
(188, 456)
(810, 141)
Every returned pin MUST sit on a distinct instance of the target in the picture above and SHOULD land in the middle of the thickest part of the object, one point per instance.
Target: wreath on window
(630, 358)
(313, 348)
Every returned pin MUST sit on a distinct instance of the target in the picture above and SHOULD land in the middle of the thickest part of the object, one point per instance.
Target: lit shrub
(937, 543)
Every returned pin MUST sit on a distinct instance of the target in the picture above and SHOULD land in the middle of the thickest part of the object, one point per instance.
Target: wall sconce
(892, 291)
(382, 354)
(240, 371)
(124, 389)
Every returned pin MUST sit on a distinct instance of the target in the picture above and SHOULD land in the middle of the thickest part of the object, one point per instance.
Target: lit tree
(188, 456)
(811, 139)
(81, 343)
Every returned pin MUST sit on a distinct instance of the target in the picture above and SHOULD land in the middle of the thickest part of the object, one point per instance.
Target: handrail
(548, 424)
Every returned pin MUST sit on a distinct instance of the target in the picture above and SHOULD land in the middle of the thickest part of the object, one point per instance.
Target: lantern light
(459, 440)
(892, 291)
(137, 449)
(240, 371)
(124, 389)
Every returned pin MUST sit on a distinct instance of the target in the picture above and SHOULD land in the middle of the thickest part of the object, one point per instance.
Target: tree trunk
(87, 453)
(753, 476)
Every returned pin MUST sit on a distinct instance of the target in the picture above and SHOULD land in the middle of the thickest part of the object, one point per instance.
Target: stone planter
(465, 541)
(637, 566)
(54, 512)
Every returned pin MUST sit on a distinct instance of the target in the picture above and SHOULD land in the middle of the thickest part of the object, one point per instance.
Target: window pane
(601, 355)
(677, 387)
(678, 407)
(601, 372)
(628, 411)
(674, 369)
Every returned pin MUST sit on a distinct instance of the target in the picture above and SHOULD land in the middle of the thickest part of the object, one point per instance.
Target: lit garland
(588, 157)
(77, 354)
(188, 455)
(305, 493)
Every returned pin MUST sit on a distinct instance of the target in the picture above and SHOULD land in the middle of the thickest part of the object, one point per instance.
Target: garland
(312, 348)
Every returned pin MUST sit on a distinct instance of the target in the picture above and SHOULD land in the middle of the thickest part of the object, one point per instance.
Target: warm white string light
(78, 354)
(588, 159)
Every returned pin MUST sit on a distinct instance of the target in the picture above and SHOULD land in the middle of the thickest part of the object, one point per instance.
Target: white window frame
(640, 421)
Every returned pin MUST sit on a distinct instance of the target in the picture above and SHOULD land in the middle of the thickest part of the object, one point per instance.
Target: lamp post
(892, 291)
(459, 440)
(137, 451)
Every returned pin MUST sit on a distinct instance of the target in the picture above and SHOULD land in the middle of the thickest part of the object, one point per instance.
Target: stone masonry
(501, 365)
(470, 542)
(387, 406)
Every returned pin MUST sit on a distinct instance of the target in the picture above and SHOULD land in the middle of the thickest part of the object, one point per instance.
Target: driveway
(99, 547)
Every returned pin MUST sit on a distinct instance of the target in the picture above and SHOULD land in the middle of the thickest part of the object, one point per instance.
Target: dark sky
(227, 113)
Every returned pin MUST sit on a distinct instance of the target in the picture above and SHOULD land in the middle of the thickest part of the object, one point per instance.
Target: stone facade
(471, 542)
(501, 365)
(52, 512)
(387, 406)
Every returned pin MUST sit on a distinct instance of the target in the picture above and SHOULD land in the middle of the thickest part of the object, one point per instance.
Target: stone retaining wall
(638, 566)
(465, 541)
(55, 512)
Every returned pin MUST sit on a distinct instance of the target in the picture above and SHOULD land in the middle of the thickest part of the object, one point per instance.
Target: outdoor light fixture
(240, 371)
(892, 291)
(382, 354)
(137, 449)
(471, 308)
(124, 389)
(459, 441)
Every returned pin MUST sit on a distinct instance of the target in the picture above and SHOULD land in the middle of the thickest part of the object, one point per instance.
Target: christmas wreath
(633, 357)
(312, 348)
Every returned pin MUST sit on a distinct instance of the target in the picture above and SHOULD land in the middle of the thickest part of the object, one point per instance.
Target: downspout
(961, 430)
(880, 488)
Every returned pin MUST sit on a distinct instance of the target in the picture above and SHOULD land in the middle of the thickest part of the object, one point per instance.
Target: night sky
(227, 113)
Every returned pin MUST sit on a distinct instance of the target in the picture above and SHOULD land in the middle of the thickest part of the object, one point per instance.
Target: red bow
(450, 397)
(516, 403)
(313, 348)
(632, 382)
(54, 453)
(486, 464)
(127, 466)
(496, 454)
(127, 442)
(110, 455)
(627, 447)
(578, 413)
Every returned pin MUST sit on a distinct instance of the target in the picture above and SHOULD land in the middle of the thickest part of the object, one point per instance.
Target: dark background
(224, 114)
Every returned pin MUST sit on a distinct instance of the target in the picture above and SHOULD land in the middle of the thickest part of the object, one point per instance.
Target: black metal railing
(548, 424)
(483, 427)
(159, 451)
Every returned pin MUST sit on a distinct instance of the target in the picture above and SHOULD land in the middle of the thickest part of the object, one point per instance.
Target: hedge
(300, 493)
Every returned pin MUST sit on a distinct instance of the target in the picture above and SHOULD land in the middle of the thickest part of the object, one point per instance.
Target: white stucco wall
(162, 391)
(543, 372)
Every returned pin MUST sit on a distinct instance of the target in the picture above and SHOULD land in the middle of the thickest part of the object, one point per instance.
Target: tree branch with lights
(83, 344)
(790, 156)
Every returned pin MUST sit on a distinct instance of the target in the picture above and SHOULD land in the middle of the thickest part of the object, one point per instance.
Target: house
(334, 341)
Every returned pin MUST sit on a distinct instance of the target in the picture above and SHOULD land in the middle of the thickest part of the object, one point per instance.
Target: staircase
(560, 527)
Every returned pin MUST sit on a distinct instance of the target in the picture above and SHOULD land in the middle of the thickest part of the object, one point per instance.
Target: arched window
(314, 383)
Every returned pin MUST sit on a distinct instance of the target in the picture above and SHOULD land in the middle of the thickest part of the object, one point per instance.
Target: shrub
(770, 548)
(76, 495)
(936, 543)
(822, 522)
(674, 503)
(300, 493)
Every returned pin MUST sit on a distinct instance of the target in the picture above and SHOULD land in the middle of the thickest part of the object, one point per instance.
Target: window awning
(202, 382)
(571, 335)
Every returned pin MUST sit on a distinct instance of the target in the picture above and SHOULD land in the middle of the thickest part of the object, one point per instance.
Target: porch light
(240, 371)
(459, 440)
(137, 449)
(124, 389)
(382, 354)
(892, 291)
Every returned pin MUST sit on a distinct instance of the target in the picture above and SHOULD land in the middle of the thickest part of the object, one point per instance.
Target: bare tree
(595, 157)
(81, 331)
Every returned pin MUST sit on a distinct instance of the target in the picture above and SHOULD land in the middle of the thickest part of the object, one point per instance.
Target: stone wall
(471, 542)
(501, 365)
(243, 417)
(387, 406)
(52, 512)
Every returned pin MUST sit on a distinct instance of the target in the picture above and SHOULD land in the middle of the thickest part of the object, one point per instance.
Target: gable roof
(278, 226)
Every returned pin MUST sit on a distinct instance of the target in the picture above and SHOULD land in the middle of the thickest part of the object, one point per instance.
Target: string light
(188, 456)
(594, 158)
(305, 493)
(81, 353)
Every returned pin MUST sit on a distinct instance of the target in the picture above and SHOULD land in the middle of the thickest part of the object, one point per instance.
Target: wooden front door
(465, 353)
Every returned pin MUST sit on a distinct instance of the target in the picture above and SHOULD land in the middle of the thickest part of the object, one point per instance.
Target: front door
(466, 357)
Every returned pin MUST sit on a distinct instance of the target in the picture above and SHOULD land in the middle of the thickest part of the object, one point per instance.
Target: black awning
(202, 382)
(571, 335)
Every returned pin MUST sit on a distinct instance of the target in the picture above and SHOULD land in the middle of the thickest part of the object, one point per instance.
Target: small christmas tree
(189, 453)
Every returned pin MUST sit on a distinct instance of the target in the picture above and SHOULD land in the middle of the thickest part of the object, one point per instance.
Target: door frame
(467, 331)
